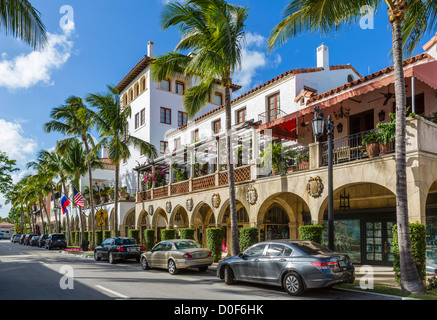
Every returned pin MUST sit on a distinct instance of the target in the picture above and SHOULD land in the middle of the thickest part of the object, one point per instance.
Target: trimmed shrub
(311, 233)
(73, 238)
(99, 237)
(106, 234)
(149, 238)
(418, 247)
(214, 240)
(168, 234)
(248, 237)
(134, 233)
(187, 233)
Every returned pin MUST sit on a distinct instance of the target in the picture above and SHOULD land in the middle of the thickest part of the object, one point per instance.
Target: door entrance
(378, 240)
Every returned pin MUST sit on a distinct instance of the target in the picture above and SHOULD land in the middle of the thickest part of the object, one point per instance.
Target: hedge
(134, 233)
(106, 234)
(168, 234)
(311, 233)
(99, 237)
(149, 238)
(187, 233)
(418, 247)
(248, 237)
(214, 240)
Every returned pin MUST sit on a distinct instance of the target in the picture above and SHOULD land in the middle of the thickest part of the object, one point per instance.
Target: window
(137, 121)
(241, 116)
(165, 115)
(350, 78)
(195, 135)
(137, 90)
(182, 118)
(143, 84)
(163, 147)
(275, 250)
(218, 98)
(143, 117)
(273, 107)
(256, 251)
(180, 87)
(125, 100)
(177, 143)
(165, 85)
(216, 126)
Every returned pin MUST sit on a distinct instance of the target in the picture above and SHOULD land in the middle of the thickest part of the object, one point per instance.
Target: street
(31, 273)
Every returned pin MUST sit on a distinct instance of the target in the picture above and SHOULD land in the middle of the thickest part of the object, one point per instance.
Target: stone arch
(179, 218)
(202, 218)
(159, 222)
(129, 221)
(225, 207)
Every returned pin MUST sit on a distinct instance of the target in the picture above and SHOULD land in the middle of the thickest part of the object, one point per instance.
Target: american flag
(78, 198)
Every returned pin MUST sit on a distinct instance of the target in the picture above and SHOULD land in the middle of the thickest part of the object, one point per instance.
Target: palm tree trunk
(21, 219)
(90, 177)
(47, 214)
(410, 279)
(235, 244)
(56, 216)
(117, 177)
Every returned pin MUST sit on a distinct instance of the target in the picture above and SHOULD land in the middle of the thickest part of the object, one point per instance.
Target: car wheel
(293, 284)
(172, 267)
(203, 269)
(144, 264)
(111, 258)
(228, 275)
(96, 256)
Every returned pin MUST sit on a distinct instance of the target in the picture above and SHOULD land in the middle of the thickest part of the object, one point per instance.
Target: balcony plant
(273, 152)
(386, 134)
(122, 192)
(103, 193)
(181, 173)
(371, 141)
(303, 160)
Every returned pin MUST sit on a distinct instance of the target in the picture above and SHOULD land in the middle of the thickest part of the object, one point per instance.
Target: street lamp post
(320, 123)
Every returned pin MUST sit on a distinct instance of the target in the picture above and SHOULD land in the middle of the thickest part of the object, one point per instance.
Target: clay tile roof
(139, 67)
(422, 56)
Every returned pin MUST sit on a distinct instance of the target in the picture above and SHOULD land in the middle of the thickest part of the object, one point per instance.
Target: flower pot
(386, 149)
(372, 150)
(304, 165)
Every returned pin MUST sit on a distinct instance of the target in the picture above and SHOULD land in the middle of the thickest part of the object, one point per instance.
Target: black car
(296, 265)
(118, 249)
(56, 240)
(27, 238)
(21, 241)
(34, 241)
(42, 240)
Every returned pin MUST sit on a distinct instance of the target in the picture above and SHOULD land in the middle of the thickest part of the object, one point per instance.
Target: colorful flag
(78, 198)
(64, 204)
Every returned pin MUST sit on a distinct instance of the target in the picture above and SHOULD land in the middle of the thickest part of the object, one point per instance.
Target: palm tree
(214, 31)
(19, 19)
(410, 20)
(112, 123)
(76, 120)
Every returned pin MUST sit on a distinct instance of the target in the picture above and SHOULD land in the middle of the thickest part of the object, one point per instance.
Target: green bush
(187, 233)
(149, 238)
(73, 235)
(134, 233)
(418, 247)
(214, 240)
(248, 237)
(311, 233)
(106, 234)
(168, 234)
(99, 237)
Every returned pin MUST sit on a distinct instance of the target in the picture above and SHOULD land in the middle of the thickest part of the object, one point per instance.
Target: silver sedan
(177, 254)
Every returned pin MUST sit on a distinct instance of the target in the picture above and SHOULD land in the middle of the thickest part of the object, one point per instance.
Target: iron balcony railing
(271, 115)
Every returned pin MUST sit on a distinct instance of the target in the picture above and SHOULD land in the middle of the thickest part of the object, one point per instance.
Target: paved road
(29, 273)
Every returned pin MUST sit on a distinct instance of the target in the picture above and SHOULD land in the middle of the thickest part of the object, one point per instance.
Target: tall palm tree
(214, 31)
(112, 123)
(21, 20)
(410, 20)
(76, 120)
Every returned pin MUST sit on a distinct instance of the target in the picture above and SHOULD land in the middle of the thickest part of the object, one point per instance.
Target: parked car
(56, 240)
(21, 241)
(296, 265)
(42, 240)
(177, 254)
(115, 249)
(27, 238)
(34, 241)
(15, 238)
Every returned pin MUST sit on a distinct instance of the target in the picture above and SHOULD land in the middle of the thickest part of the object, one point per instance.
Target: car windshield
(58, 236)
(180, 245)
(121, 242)
(312, 247)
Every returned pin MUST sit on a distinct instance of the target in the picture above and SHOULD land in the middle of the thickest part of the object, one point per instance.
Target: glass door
(378, 242)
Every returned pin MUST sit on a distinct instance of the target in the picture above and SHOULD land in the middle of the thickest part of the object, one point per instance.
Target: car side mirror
(242, 256)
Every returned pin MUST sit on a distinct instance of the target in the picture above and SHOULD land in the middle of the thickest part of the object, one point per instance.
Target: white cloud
(15, 144)
(27, 70)
(254, 57)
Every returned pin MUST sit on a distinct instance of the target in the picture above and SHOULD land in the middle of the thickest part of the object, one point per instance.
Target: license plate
(133, 249)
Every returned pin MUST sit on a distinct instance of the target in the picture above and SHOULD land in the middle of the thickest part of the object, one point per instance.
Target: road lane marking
(112, 292)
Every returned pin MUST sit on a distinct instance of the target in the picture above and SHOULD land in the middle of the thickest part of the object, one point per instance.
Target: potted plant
(303, 160)
(110, 193)
(371, 141)
(273, 152)
(103, 193)
(386, 135)
(122, 192)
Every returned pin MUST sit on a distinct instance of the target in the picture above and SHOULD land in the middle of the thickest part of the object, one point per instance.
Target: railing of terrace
(271, 115)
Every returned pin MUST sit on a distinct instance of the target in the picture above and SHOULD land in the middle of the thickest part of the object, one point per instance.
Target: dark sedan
(34, 241)
(42, 240)
(295, 265)
(115, 249)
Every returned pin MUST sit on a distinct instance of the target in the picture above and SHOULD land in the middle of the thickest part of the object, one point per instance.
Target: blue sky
(110, 37)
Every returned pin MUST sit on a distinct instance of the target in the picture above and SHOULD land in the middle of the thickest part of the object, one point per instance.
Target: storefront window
(347, 237)
(431, 244)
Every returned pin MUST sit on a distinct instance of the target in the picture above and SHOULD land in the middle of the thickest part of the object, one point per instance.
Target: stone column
(315, 155)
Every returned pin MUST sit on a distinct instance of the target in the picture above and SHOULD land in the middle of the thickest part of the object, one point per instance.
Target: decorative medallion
(168, 206)
(315, 187)
(190, 204)
(216, 200)
(151, 210)
(251, 196)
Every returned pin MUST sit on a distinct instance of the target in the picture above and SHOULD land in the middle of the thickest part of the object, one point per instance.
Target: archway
(276, 224)
(143, 223)
(431, 229)
(202, 219)
(224, 222)
(179, 219)
(129, 221)
(160, 222)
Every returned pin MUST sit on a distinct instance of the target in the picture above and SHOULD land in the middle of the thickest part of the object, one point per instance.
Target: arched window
(350, 78)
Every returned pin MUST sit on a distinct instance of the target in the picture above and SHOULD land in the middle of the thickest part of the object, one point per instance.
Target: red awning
(426, 72)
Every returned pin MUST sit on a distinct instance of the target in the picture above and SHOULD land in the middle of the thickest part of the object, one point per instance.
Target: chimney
(323, 57)
(151, 49)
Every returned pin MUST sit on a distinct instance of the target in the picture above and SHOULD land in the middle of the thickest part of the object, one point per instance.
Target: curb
(377, 294)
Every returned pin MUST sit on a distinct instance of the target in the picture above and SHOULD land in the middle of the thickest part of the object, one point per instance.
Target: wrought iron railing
(271, 115)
